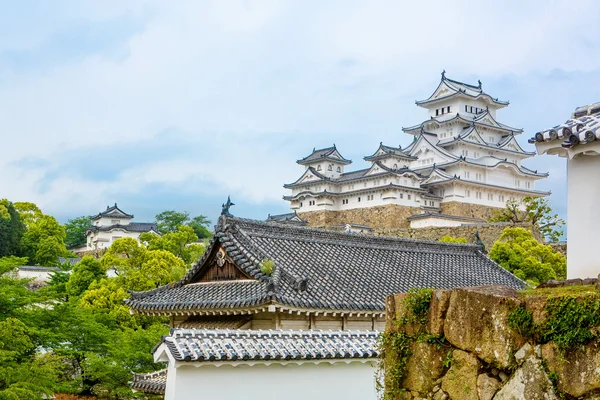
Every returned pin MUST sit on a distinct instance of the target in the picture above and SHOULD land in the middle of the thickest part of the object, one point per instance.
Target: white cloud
(254, 85)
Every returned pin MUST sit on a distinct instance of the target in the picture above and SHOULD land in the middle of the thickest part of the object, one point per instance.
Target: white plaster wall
(583, 216)
(274, 382)
(41, 276)
(439, 222)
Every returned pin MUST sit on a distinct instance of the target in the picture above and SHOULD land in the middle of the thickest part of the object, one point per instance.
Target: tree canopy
(75, 231)
(170, 221)
(520, 253)
(535, 210)
(12, 229)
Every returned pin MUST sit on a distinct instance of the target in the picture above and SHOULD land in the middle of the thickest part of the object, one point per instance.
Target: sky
(160, 105)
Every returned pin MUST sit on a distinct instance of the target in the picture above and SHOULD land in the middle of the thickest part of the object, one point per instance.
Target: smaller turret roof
(328, 153)
(112, 212)
(450, 88)
(384, 151)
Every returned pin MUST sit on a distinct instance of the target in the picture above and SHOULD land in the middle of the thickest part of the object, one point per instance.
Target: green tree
(44, 240)
(127, 353)
(535, 210)
(520, 253)
(170, 221)
(75, 231)
(12, 229)
(84, 273)
(143, 269)
(200, 225)
(180, 243)
(451, 239)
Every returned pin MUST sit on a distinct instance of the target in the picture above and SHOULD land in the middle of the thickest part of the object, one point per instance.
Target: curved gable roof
(320, 269)
(448, 88)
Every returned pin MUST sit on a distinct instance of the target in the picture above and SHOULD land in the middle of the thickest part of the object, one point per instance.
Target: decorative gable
(219, 267)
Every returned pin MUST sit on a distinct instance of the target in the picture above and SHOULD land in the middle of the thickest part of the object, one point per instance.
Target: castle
(461, 165)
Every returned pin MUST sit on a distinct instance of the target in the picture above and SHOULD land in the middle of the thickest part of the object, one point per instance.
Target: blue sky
(175, 105)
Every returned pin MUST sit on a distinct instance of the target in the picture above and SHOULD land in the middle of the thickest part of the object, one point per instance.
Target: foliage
(395, 346)
(521, 320)
(44, 240)
(75, 231)
(141, 268)
(537, 211)
(180, 243)
(520, 253)
(169, 221)
(84, 273)
(12, 229)
(571, 320)
(451, 239)
(266, 266)
(127, 353)
(11, 262)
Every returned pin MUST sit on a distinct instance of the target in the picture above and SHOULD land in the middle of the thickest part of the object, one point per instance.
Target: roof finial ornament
(478, 240)
(225, 207)
(479, 81)
(314, 149)
(443, 74)
(487, 108)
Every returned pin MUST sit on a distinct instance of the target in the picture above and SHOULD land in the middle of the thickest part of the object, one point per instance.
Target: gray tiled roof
(131, 227)
(329, 153)
(289, 218)
(206, 345)
(113, 212)
(574, 132)
(320, 269)
(458, 87)
(153, 382)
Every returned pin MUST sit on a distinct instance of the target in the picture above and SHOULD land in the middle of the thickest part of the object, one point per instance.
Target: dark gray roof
(321, 269)
(153, 382)
(209, 345)
(461, 88)
(131, 227)
(574, 132)
(38, 268)
(387, 151)
(287, 218)
(329, 153)
(112, 212)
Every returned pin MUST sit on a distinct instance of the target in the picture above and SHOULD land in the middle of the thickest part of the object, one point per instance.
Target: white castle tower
(461, 163)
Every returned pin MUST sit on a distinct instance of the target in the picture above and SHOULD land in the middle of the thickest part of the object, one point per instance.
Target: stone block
(529, 382)
(476, 321)
(578, 370)
(460, 382)
(437, 311)
(487, 387)
(424, 367)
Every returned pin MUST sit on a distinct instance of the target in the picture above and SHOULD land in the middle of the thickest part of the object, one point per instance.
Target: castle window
(401, 195)
(408, 196)
(395, 166)
(437, 112)
(448, 109)
(466, 108)
(359, 199)
(330, 167)
(318, 167)
(528, 185)
(468, 193)
(467, 174)
(478, 195)
(518, 183)
(301, 204)
(339, 169)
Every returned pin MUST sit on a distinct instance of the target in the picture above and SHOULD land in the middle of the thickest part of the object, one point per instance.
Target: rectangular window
(401, 195)
(409, 196)
(359, 199)
(468, 193)
(437, 112)
(466, 108)
(471, 108)
(467, 174)
(114, 221)
(448, 109)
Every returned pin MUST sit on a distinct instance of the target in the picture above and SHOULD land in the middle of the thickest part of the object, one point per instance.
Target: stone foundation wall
(469, 210)
(493, 343)
(380, 217)
(489, 233)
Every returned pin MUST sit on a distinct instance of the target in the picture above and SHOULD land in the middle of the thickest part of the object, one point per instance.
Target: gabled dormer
(328, 162)
(391, 157)
(111, 216)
